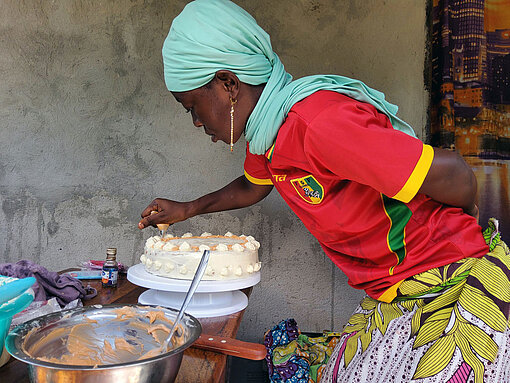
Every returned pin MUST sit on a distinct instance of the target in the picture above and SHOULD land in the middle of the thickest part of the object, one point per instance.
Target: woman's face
(209, 110)
(210, 105)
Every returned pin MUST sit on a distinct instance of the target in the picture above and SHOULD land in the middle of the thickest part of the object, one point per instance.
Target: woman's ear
(229, 82)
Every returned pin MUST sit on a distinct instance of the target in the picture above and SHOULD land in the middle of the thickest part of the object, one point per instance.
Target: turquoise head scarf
(210, 35)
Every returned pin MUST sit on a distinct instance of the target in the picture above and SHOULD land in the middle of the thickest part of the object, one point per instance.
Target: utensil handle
(230, 346)
(15, 288)
(194, 284)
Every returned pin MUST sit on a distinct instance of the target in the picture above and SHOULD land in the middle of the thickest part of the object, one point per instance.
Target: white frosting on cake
(231, 257)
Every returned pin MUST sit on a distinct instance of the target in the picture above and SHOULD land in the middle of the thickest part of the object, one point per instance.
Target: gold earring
(232, 103)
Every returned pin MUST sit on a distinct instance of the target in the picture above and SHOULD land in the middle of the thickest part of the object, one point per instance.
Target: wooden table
(197, 365)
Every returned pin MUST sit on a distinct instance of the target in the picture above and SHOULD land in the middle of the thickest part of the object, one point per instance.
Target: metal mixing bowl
(162, 368)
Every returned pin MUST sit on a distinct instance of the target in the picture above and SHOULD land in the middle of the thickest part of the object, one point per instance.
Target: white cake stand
(211, 299)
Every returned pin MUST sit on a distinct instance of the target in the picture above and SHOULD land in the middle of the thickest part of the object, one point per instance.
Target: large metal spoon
(194, 284)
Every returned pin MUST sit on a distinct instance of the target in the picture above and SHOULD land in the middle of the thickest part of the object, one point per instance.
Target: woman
(397, 216)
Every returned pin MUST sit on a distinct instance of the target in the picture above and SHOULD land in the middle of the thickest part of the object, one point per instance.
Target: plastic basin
(15, 296)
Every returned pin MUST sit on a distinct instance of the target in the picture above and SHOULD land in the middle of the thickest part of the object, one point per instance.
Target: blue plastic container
(15, 296)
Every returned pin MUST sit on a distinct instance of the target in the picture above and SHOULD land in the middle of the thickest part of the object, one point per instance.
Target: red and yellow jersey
(353, 181)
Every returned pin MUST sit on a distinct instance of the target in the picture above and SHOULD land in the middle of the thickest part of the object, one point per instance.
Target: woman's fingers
(162, 211)
(153, 206)
(147, 215)
(145, 222)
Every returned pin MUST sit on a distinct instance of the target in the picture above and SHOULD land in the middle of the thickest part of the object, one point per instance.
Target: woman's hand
(167, 212)
(451, 181)
(237, 194)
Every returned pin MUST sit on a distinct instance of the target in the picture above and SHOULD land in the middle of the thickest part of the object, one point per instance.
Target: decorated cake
(231, 256)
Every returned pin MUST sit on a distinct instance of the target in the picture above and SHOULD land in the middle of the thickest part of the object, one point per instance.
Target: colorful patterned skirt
(449, 324)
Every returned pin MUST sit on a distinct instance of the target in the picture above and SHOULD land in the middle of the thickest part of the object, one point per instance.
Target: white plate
(202, 305)
(139, 276)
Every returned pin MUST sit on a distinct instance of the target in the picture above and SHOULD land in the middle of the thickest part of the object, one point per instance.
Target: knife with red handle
(230, 346)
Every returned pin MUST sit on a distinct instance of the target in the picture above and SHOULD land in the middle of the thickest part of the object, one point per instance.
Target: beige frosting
(82, 340)
(231, 256)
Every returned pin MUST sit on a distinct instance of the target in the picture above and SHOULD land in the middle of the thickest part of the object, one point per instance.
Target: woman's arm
(451, 181)
(239, 193)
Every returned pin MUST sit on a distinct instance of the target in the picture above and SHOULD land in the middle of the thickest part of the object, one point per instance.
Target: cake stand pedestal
(211, 299)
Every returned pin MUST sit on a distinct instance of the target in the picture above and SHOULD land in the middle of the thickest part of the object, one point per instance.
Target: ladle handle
(194, 284)
(230, 346)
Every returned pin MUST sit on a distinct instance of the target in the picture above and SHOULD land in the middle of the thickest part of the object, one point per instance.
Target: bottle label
(109, 277)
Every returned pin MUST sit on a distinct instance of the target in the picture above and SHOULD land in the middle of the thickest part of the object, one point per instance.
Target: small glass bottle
(110, 271)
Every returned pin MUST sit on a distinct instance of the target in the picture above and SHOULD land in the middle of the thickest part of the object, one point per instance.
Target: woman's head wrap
(211, 35)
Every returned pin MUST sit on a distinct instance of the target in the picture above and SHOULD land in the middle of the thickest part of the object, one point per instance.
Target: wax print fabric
(448, 324)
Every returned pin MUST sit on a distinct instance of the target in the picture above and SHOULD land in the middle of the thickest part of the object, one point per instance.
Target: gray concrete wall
(89, 135)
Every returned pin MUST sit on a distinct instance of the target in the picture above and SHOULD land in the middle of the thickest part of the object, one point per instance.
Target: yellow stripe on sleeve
(417, 177)
(258, 181)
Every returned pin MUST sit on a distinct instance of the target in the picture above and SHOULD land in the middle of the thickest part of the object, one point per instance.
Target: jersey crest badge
(309, 189)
